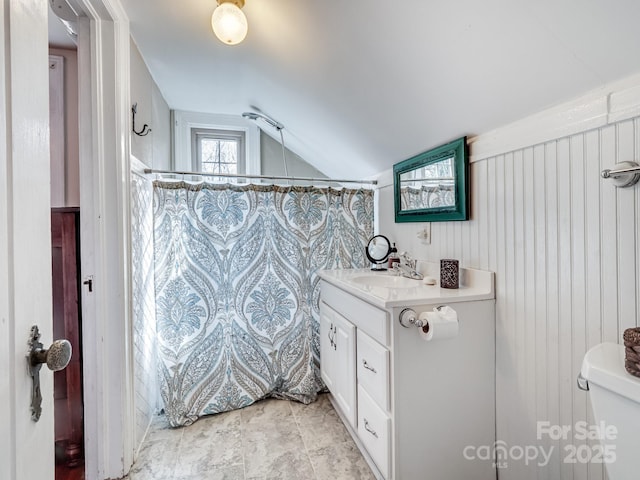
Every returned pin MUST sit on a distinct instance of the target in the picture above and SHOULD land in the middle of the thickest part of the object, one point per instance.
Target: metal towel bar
(624, 174)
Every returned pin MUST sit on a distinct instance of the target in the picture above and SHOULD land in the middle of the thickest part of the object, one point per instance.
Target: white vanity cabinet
(412, 406)
(365, 365)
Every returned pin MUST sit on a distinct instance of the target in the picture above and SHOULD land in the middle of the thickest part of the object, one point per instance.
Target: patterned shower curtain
(412, 198)
(237, 289)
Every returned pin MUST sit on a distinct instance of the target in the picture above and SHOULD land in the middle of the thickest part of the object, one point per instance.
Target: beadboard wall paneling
(564, 245)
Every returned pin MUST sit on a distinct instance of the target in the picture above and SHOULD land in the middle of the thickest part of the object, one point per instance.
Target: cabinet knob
(369, 429)
(368, 367)
(332, 336)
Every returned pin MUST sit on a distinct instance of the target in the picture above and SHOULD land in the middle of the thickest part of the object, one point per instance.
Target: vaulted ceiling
(363, 84)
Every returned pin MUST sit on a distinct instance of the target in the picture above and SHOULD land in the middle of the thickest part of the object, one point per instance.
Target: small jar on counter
(393, 256)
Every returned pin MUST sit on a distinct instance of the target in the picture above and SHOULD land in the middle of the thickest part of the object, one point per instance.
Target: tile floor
(271, 439)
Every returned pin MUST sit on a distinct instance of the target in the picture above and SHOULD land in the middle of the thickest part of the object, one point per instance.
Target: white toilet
(615, 400)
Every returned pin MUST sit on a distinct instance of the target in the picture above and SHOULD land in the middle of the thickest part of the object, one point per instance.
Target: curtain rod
(261, 177)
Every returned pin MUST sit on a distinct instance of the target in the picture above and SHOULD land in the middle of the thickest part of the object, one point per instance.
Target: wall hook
(145, 128)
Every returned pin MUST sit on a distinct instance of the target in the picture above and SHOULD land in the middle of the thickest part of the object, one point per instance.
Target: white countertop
(475, 285)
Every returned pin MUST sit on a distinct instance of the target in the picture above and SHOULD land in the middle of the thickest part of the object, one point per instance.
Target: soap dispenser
(393, 256)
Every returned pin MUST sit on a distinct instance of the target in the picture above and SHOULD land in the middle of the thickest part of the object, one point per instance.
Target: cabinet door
(338, 360)
(327, 347)
(345, 367)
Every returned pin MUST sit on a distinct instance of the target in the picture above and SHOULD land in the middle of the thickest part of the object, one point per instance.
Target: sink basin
(386, 281)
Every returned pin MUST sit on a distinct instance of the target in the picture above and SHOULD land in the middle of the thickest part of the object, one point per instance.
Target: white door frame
(104, 107)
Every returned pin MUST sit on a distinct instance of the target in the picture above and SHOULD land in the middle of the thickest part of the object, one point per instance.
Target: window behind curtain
(218, 151)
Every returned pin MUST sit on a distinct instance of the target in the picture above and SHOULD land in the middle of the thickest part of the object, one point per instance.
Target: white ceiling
(363, 84)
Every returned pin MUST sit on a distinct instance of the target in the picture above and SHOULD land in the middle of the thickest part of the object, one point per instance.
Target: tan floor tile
(282, 462)
(207, 451)
(156, 459)
(267, 409)
(341, 461)
(271, 431)
(323, 431)
(214, 423)
(320, 407)
(160, 430)
(227, 473)
(272, 439)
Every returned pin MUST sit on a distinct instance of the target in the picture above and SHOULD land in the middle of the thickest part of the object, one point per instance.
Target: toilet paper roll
(439, 326)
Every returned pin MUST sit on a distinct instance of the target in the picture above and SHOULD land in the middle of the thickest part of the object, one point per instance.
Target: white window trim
(237, 136)
(182, 123)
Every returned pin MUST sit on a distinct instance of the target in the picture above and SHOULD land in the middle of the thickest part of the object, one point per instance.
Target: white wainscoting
(143, 299)
(565, 246)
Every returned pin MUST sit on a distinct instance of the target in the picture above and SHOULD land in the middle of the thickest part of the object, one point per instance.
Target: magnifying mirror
(377, 251)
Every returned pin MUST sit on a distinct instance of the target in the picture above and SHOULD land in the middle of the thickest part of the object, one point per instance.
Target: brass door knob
(56, 357)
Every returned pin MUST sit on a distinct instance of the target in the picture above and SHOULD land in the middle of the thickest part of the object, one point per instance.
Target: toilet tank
(615, 400)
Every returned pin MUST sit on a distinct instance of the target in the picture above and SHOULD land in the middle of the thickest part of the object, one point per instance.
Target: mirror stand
(378, 251)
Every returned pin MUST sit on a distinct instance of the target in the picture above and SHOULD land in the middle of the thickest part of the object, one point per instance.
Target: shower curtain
(237, 290)
(412, 198)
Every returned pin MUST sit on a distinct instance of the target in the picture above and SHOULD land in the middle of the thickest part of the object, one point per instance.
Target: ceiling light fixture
(228, 22)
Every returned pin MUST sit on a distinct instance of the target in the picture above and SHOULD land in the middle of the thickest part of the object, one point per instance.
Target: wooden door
(26, 446)
(66, 324)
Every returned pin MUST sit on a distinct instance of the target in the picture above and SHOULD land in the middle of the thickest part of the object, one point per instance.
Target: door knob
(56, 357)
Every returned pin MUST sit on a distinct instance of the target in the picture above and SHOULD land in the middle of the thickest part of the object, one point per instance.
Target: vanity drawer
(362, 314)
(373, 368)
(374, 430)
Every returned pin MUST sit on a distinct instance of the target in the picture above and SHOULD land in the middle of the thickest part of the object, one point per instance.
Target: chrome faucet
(407, 267)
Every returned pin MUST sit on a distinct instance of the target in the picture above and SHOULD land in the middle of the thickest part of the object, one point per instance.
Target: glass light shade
(229, 23)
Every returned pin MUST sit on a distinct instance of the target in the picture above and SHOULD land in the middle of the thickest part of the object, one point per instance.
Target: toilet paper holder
(408, 317)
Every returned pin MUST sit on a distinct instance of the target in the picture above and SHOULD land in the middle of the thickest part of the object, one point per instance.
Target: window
(441, 173)
(218, 151)
(207, 132)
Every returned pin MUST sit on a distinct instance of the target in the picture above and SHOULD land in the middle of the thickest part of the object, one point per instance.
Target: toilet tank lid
(603, 365)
